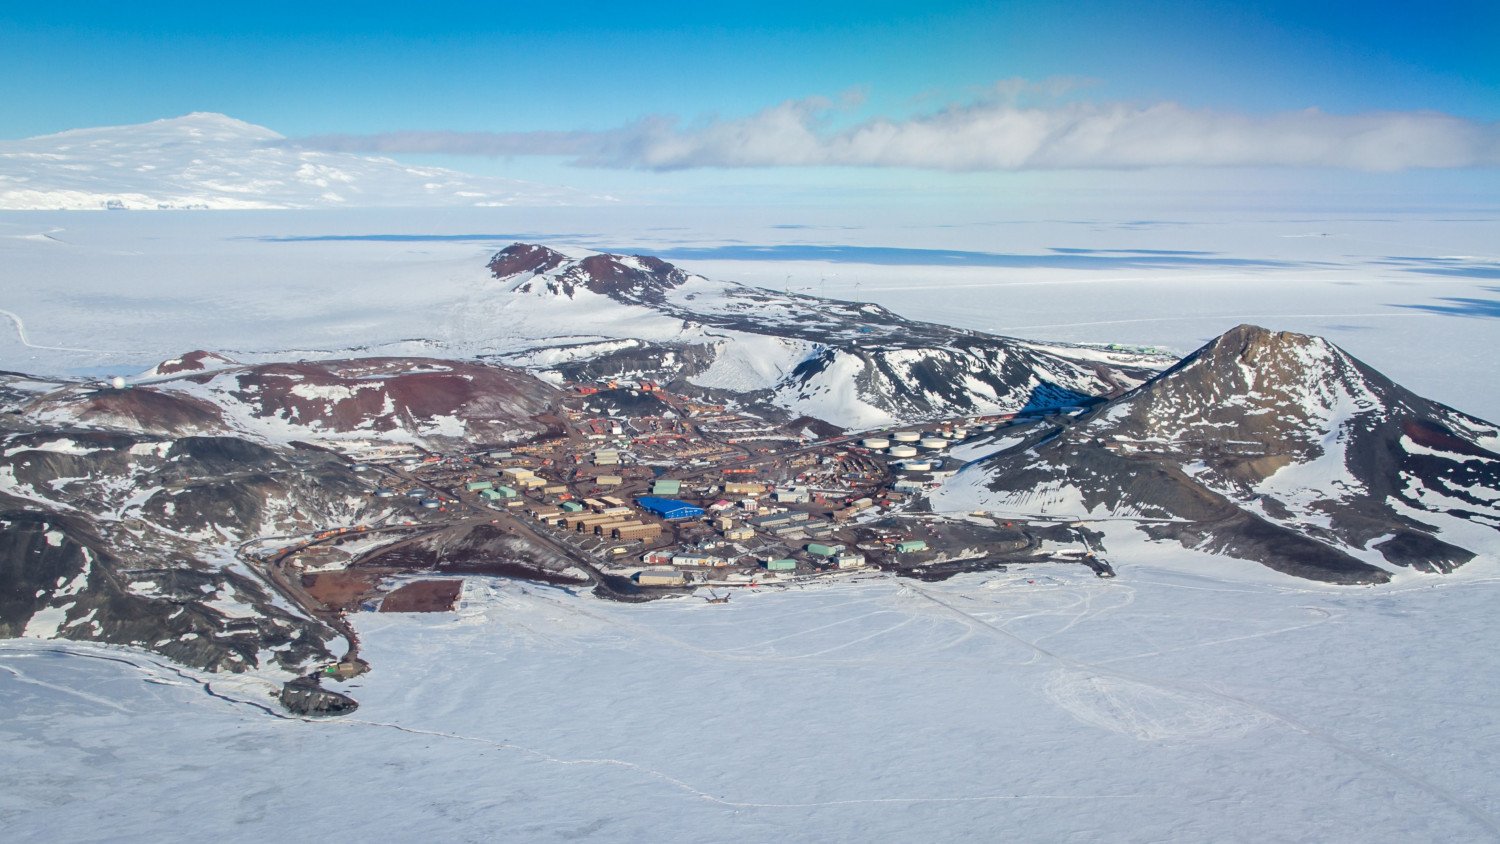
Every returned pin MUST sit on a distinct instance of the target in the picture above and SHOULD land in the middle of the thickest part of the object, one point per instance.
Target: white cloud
(996, 132)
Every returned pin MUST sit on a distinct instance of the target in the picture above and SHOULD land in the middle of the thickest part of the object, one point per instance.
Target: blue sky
(366, 69)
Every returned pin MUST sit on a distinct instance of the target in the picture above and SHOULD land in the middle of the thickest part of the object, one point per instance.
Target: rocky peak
(521, 258)
(1259, 357)
(633, 276)
(1261, 384)
(1276, 447)
(194, 361)
(633, 279)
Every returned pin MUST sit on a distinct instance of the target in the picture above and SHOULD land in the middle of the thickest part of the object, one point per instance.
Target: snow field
(1159, 705)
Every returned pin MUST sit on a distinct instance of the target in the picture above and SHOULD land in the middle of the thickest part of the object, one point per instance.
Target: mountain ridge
(849, 363)
(1272, 446)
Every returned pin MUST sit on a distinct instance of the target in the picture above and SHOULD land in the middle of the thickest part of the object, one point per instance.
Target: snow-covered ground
(1039, 705)
(1413, 295)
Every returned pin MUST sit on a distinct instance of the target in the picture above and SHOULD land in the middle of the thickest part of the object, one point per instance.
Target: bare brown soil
(424, 596)
(343, 590)
(519, 571)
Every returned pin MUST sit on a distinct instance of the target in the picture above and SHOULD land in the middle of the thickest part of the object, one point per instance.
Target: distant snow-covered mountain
(206, 160)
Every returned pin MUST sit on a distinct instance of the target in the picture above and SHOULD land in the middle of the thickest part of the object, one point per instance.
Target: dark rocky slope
(1275, 447)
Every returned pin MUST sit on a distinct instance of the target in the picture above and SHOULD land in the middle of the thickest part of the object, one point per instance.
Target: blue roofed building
(670, 508)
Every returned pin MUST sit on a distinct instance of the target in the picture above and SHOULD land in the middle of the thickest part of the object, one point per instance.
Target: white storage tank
(935, 443)
(906, 436)
(876, 443)
(916, 465)
(960, 432)
(902, 451)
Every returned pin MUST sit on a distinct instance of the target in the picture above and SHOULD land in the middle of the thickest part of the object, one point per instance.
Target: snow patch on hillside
(749, 362)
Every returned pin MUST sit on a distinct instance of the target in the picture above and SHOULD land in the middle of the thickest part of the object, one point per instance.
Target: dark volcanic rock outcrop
(135, 409)
(130, 539)
(124, 509)
(1275, 447)
(633, 278)
(60, 579)
(194, 361)
(521, 258)
(427, 398)
(304, 696)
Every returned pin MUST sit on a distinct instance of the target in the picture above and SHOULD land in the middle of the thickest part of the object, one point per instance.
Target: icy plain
(1042, 704)
(1414, 295)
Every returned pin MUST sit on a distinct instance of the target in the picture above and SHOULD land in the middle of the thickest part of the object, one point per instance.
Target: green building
(818, 549)
(476, 486)
(666, 488)
(572, 507)
(781, 565)
(911, 546)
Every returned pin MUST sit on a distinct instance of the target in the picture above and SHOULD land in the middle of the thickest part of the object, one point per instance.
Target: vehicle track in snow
(20, 326)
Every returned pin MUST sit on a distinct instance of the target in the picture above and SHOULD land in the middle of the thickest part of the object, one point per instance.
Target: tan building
(588, 524)
(586, 521)
(661, 577)
(645, 530)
